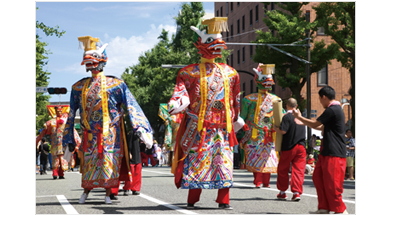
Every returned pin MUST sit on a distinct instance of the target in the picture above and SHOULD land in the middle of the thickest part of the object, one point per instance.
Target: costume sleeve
(180, 97)
(69, 126)
(236, 97)
(244, 109)
(136, 115)
(46, 131)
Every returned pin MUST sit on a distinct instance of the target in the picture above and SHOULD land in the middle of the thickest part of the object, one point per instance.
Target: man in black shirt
(293, 152)
(330, 168)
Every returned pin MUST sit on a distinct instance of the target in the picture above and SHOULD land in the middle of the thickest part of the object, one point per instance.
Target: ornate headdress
(95, 56)
(209, 39)
(264, 75)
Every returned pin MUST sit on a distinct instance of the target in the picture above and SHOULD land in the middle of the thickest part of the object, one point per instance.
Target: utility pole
(309, 149)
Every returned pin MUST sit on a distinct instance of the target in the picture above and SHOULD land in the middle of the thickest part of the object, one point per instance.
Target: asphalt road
(160, 196)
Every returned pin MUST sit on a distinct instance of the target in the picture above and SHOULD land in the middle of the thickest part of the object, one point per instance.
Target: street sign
(41, 89)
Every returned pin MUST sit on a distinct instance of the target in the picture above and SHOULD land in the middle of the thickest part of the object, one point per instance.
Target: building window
(217, 13)
(256, 13)
(322, 76)
(231, 31)
(251, 17)
(231, 6)
(227, 36)
(238, 3)
(243, 54)
(221, 12)
(243, 23)
(244, 89)
(238, 26)
(251, 51)
(238, 57)
(227, 8)
(232, 60)
(251, 86)
(321, 31)
(272, 6)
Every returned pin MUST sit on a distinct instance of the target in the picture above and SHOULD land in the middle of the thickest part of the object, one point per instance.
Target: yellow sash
(257, 113)
(104, 103)
(203, 93)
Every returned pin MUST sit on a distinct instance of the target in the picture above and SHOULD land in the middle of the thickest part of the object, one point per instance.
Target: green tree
(42, 76)
(338, 20)
(288, 26)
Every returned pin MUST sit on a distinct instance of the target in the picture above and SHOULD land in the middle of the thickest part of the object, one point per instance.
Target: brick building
(246, 17)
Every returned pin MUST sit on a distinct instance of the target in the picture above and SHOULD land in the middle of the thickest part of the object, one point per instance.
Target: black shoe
(54, 177)
(225, 206)
(113, 197)
(135, 193)
(61, 177)
(126, 192)
(190, 206)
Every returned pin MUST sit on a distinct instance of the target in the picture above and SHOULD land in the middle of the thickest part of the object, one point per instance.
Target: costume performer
(208, 93)
(293, 153)
(55, 128)
(258, 141)
(99, 99)
(172, 123)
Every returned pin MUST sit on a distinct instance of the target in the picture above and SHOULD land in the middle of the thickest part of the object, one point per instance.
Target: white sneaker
(320, 211)
(344, 212)
(108, 200)
(83, 198)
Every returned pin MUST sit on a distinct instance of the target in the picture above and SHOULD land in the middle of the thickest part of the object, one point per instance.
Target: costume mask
(95, 56)
(209, 40)
(263, 76)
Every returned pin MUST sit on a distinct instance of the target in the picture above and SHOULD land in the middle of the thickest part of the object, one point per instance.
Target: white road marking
(163, 173)
(69, 209)
(272, 189)
(184, 211)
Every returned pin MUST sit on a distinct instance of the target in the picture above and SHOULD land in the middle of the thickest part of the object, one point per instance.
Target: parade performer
(208, 94)
(258, 141)
(99, 99)
(172, 123)
(55, 128)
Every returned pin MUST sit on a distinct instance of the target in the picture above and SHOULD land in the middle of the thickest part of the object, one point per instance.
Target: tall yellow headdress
(216, 25)
(88, 43)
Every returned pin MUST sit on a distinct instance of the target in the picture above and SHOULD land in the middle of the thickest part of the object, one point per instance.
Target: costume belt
(268, 134)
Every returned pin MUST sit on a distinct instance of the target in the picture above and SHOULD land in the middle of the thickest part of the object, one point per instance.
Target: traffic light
(57, 90)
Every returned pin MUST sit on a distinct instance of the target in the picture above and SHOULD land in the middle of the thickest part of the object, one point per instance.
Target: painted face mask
(209, 40)
(263, 76)
(95, 56)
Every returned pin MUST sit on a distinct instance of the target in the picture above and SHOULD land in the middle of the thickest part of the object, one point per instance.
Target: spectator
(310, 165)
(44, 150)
(350, 153)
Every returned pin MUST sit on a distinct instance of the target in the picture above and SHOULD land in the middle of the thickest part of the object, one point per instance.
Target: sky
(129, 28)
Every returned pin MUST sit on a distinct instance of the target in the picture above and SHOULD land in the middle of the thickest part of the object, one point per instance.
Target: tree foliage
(287, 26)
(42, 76)
(149, 83)
(338, 20)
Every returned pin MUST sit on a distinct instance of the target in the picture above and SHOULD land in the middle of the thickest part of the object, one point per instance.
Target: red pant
(296, 156)
(222, 198)
(136, 184)
(328, 179)
(58, 171)
(261, 178)
(145, 159)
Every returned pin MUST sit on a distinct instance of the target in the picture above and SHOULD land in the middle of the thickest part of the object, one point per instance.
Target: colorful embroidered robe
(212, 167)
(259, 152)
(56, 135)
(102, 159)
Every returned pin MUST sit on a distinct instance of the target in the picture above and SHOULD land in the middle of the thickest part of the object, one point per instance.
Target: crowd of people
(217, 133)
